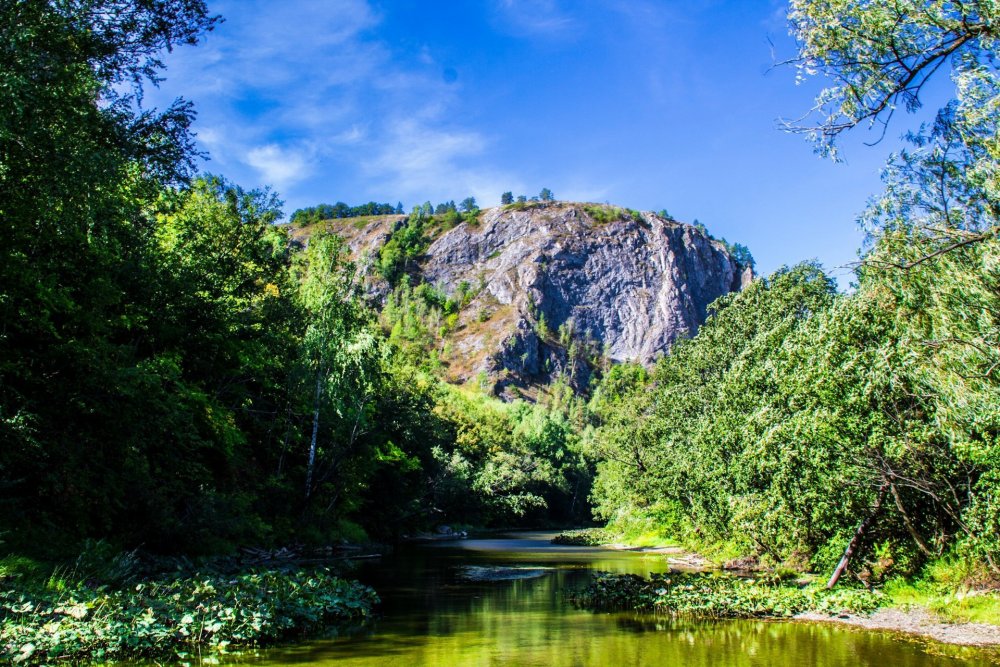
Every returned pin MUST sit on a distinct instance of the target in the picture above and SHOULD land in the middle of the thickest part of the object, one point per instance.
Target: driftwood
(858, 535)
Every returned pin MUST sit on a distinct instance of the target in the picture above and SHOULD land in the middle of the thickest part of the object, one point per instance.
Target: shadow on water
(434, 613)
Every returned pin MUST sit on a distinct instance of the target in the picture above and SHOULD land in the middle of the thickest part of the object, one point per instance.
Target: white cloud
(280, 166)
(287, 92)
(420, 161)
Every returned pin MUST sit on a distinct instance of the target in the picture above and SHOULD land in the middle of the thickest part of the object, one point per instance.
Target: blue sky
(648, 105)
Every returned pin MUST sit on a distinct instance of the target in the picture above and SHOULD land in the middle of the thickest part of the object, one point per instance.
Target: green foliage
(928, 277)
(948, 587)
(885, 65)
(403, 248)
(149, 318)
(345, 359)
(584, 537)
(522, 204)
(174, 618)
(508, 461)
(740, 253)
(603, 214)
(718, 596)
(681, 452)
(780, 425)
(417, 320)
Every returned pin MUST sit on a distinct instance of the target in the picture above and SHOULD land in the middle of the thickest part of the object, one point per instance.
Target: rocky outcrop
(558, 287)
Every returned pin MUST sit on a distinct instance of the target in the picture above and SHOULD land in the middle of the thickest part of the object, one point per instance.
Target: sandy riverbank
(916, 621)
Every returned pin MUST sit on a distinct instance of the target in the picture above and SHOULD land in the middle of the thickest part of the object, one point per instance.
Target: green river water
(432, 614)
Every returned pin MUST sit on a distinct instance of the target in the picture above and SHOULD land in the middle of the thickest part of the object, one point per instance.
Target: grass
(640, 530)
(525, 205)
(582, 537)
(957, 589)
(951, 604)
(603, 214)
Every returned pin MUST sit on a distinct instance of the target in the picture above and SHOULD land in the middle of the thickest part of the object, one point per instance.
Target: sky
(649, 105)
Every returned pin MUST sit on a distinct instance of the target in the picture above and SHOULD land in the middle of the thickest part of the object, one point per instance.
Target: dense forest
(175, 375)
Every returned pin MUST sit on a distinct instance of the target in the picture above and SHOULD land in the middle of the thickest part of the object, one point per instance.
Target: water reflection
(432, 615)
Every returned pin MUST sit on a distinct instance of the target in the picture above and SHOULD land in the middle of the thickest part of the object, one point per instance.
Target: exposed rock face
(553, 286)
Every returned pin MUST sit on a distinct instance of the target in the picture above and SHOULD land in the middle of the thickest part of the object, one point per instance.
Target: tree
(948, 185)
(881, 53)
(927, 235)
(399, 208)
(506, 198)
(81, 171)
(546, 195)
(469, 205)
(522, 199)
(344, 355)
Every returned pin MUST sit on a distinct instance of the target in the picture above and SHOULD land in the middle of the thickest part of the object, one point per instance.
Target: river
(438, 611)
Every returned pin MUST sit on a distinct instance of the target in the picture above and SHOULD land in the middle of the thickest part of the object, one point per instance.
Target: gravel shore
(917, 621)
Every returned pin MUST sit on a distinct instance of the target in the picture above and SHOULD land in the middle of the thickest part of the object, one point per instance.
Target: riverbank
(914, 621)
(942, 615)
(69, 616)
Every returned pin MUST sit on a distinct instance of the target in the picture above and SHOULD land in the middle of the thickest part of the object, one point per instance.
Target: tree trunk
(315, 435)
(910, 528)
(858, 534)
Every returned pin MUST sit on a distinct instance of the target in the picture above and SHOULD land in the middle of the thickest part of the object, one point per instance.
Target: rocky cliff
(557, 289)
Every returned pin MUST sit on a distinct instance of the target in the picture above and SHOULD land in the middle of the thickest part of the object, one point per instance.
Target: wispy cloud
(420, 160)
(284, 90)
(533, 18)
(278, 85)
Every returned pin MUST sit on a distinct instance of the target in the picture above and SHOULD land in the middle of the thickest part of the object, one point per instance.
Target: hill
(532, 293)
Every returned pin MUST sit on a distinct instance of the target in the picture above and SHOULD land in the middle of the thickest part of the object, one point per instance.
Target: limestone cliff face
(555, 289)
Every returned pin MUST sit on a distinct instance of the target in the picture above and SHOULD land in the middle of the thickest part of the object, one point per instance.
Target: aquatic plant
(175, 617)
(717, 596)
